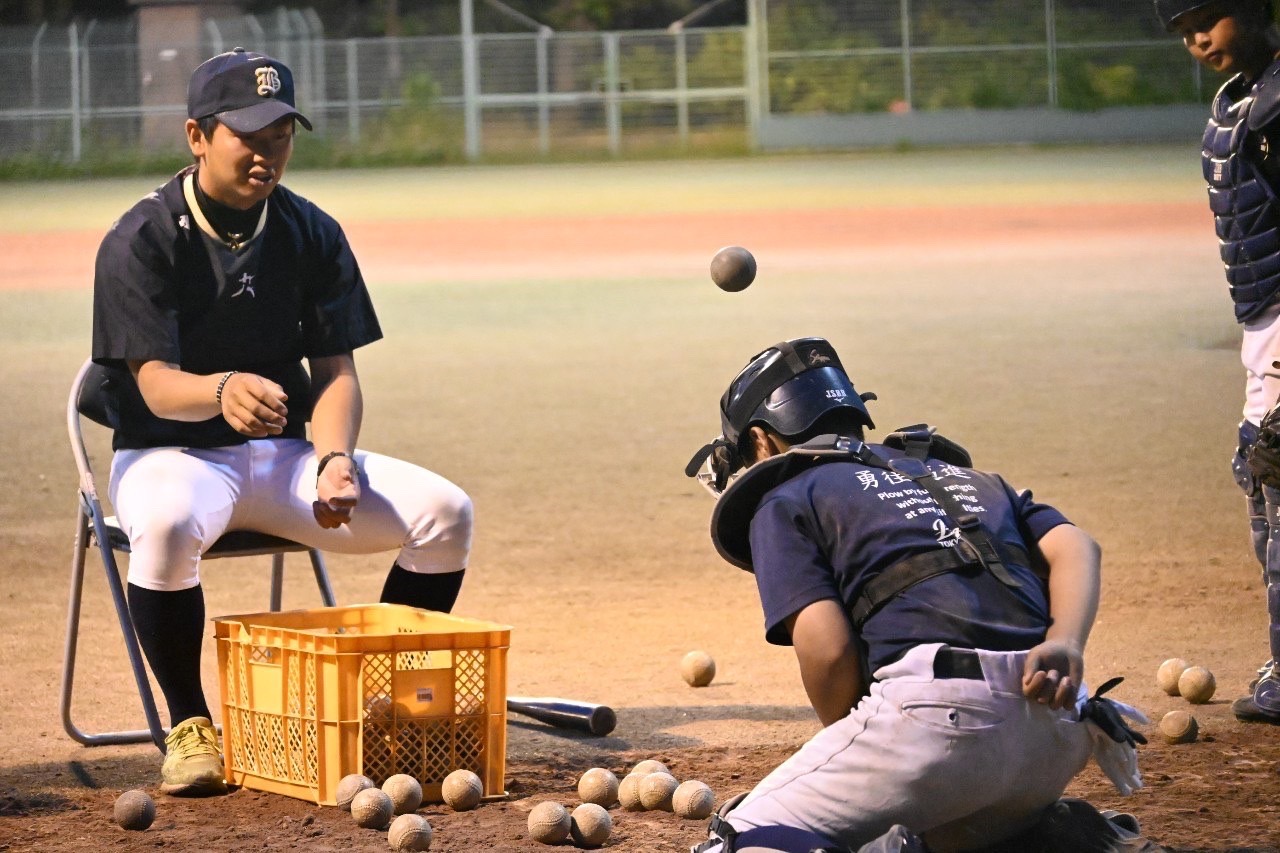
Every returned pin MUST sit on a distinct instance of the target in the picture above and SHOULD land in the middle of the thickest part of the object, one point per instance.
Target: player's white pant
(1259, 350)
(966, 761)
(173, 503)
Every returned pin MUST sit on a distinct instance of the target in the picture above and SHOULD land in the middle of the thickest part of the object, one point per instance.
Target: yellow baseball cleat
(193, 764)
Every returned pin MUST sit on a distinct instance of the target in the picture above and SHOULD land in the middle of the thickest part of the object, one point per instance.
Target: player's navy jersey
(166, 289)
(828, 531)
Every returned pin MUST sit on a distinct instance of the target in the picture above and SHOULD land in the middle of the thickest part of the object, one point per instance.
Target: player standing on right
(1241, 163)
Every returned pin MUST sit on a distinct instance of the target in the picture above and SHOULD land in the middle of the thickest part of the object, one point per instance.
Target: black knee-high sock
(170, 628)
(430, 592)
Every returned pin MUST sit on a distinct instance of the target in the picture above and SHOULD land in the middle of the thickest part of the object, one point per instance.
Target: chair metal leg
(322, 578)
(155, 732)
(277, 582)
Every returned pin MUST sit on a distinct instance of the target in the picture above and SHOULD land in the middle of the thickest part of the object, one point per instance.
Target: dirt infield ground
(1061, 313)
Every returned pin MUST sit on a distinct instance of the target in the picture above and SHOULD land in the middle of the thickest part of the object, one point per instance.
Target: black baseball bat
(599, 720)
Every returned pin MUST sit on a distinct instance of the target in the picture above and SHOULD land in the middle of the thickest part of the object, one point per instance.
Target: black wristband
(324, 460)
(222, 383)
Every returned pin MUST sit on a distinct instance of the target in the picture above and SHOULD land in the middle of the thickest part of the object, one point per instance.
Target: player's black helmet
(787, 388)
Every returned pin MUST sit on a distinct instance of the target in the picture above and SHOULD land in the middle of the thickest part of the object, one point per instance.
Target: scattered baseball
(698, 668)
(1167, 675)
(371, 809)
(1179, 727)
(629, 792)
(410, 832)
(349, 786)
(733, 268)
(462, 790)
(598, 786)
(656, 791)
(590, 825)
(549, 823)
(650, 765)
(135, 810)
(404, 791)
(693, 800)
(1196, 684)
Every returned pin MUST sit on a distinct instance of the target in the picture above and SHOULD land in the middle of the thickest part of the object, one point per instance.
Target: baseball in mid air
(733, 268)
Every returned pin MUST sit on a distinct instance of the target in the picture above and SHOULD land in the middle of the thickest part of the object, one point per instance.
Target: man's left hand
(337, 493)
(1053, 674)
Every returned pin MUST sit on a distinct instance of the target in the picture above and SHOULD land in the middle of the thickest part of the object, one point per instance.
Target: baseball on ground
(650, 765)
(693, 800)
(549, 823)
(1196, 684)
(1179, 727)
(733, 268)
(590, 825)
(410, 832)
(1167, 675)
(371, 809)
(462, 790)
(405, 793)
(656, 790)
(349, 786)
(629, 792)
(698, 668)
(135, 810)
(599, 786)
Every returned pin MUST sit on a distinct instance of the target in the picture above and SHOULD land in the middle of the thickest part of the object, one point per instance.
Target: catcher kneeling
(939, 618)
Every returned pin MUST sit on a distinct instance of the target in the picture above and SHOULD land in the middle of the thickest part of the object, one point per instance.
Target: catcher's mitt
(1264, 454)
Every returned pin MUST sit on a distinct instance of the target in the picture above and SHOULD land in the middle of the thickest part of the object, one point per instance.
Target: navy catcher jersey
(828, 531)
(168, 289)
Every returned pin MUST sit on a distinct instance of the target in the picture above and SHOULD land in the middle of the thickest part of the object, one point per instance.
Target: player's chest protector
(1245, 210)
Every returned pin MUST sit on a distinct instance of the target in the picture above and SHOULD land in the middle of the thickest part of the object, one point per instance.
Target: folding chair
(87, 400)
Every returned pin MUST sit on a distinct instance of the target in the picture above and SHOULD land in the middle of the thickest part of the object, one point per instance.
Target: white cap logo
(268, 81)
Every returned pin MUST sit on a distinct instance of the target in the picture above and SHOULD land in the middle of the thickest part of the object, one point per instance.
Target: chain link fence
(802, 73)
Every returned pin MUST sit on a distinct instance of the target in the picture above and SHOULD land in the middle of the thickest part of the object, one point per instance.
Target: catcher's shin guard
(724, 838)
(1271, 573)
(1255, 505)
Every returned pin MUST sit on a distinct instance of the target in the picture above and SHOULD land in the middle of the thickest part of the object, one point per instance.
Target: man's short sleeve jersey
(164, 289)
(828, 531)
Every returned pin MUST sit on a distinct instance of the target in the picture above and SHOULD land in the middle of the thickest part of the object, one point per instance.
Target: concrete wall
(985, 127)
(170, 46)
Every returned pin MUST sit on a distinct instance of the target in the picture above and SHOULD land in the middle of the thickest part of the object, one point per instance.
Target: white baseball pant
(1259, 349)
(966, 761)
(173, 503)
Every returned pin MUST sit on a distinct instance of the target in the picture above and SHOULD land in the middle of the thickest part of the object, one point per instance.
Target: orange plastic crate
(309, 696)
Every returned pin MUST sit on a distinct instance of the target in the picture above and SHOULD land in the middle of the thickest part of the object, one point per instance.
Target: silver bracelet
(222, 383)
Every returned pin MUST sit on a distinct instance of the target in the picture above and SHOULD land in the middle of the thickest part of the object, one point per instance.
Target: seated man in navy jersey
(938, 616)
(208, 295)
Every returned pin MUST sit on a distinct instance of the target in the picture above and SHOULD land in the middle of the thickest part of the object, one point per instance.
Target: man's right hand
(254, 405)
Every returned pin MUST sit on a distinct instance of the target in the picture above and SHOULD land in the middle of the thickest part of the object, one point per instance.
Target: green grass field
(1015, 176)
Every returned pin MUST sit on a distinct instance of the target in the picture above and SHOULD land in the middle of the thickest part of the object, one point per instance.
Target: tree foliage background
(347, 18)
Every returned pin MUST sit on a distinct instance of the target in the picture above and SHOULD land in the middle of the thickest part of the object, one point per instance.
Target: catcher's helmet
(787, 388)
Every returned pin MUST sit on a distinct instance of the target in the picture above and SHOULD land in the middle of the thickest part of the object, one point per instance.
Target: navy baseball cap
(1168, 11)
(246, 91)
